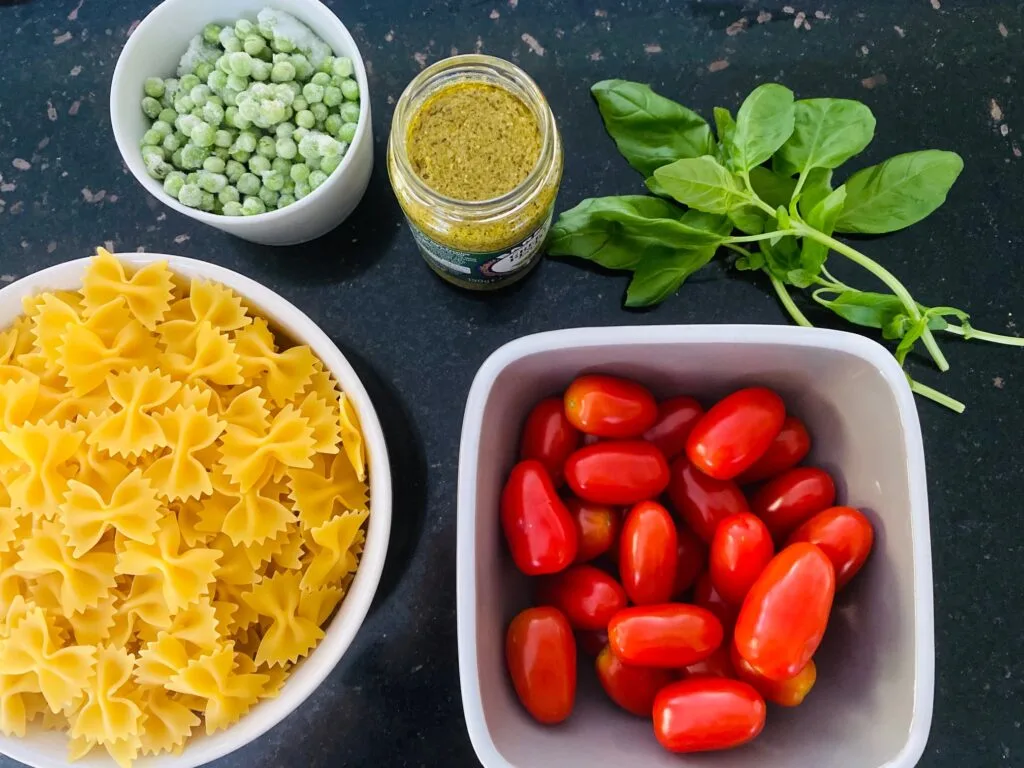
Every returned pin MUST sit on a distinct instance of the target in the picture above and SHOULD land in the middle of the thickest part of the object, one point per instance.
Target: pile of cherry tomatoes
(695, 619)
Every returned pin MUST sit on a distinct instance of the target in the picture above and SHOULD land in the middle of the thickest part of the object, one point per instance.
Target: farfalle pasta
(183, 502)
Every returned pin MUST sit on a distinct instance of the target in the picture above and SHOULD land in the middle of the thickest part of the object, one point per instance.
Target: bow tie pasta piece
(166, 723)
(352, 437)
(145, 605)
(196, 626)
(248, 410)
(248, 455)
(160, 660)
(179, 474)
(50, 321)
(41, 452)
(132, 431)
(17, 401)
(108, 714)
(133, 509)
(324, 416)
(290, 635)
(147, 292)
(318, 494)
(284, 374)
(228, 693)
(16, 708)
(93, 625)
(207, 302)
(335, 550)
(211, 358)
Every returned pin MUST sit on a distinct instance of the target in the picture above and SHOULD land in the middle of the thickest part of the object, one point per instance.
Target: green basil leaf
(910, 337)
(817, 187)
(702, 183)
(763, 124)
(782, 257)
(896, 328)
(660, 274)
(725, 126)
(748, 219)
(822, 217)
(826, 133)
(710, 223)
(899, 192)
(655, 187)
(650, 130)
(749, 263)
(774, 189)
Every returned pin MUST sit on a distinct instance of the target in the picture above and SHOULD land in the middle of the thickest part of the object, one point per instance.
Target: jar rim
(495, 71)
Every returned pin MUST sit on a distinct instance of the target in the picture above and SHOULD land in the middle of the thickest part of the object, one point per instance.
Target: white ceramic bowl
(42, 749)
(154, 49)
(872, 705)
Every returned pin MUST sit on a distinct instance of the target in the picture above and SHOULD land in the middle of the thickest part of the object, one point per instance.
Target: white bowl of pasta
(195, 506)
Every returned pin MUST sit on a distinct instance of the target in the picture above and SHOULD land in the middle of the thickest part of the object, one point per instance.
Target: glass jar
(483, 244)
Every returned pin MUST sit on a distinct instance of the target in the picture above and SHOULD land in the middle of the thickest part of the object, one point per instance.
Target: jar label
(488, 268)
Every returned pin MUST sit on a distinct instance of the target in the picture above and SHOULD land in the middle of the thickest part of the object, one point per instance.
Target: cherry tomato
(741, 549)
(787, 450)
(676, 418)
(548, 437)
(785, 613)
(844, 535)
(785, 693)
(692, 557)
(587, 596)
(608, 406)
(707, 713)
(632, 688)
(648, 554)
(541, 655)
(597, 528)
(622, 473)
(718, 664)
(702, 501)
(793, 497)
(736, 432)
(706, 596)
(592, 642)
(538, 527)
(669, 635)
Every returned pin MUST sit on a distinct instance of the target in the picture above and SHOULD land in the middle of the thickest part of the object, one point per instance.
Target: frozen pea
(185, 123)
(248, 184)
(163, 127)
(223, 138)
(281, 165)
(284, 94)
(321, 78)
(259, 164)
(277, 58)
(240, 155)
(332, 96)
(152, 137)
(349, 112)
(286, 148)
(176, 158)
(284, 130)
(212, 182)
(330, 164)
(273, 180)
(203, 70)
(172, 142)
(184, 105)
(253, 206)
(188, 82)
(309, 145)
(154, 86)
(247, 140)
(343, 67)
(254, 45)
(193, 156)
(197, 113)
(213, 113)
(342, 147)
(300, 104)
(267, 147)
(173, 183)
(222, 64)
(260, 69)
(190, 195)
(158, 169)
(192, 178)
(171, 88)
(272, 112)
(151, 107)
(211, 33)
(214, 165)
(222, 152)
(299, 172)
(249, 109)
(313, 93)
(203, 134)
(319, 111)
(229, 40)
(316, 178)
(305, 118)
(228, 195)
(208, 201)
(350, 90)
(300, 133)
(313, 162)
(296, 88)
(167, 115)
(234, 170)
(302, 189)
(269, 197)
(332, 124)
(283, 45)
(289, 187)
(237, 83)
(217, 81)
(149, 152)
(233, 208)
(244, 28)
(240, 63)
(283, 200)
(200, 94)
(347, 132)
(326, 64)
(282, 72)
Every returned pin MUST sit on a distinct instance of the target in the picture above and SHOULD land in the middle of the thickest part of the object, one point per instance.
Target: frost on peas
(211, 33)
(150, 151)
(234, 170)
(283, 26)
(347, 132)
(272, 112)
(223, 65)
(207, 201)
(349, 112)
(188, 82)
(228, 38)
(176, 158)
(240, 155)
(213, 113)
(322, 79)
(286, 148)
(151, 107)
(267, 147)
(203, 134)
(228, 195)
(305, 119)
(313, 162)
(283, 93)
(329, 164)
(248, 184)
(343, 67)
(299, 172)
(154, 86)
(212, 182)
(247, 141)
(320, 112)
(300, 104)
(282, 72)
(157, 168)
(190, 195)
(233, 208)
(260, 69)
(303, 69)
(184, 105)
(171, 88)
(269, 197)
(350, 90)
(244, 28)
(185, 123)
(300, 134)
(284, 130)
(240, 63)
(173, 183)
(200, 94)
(172, 142)
(218, 81)
(214, 165)
(313, 93)
(283, 200)
(249, 109)
(222, 153)
(332, 96)
(273, 180)
(281, 165)
(254, 45)
(192, 157)
(237, 83)
(253, 206)
(316, 179)
(302, 189)
(258, 165)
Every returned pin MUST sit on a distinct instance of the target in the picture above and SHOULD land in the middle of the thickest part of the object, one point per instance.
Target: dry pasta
(183, 501)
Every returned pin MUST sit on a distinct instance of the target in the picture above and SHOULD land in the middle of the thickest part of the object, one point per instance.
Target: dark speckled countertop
(938, 73)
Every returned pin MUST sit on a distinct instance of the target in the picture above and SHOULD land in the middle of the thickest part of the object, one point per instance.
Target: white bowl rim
(356, 604)
(134, 161)
(859, 346)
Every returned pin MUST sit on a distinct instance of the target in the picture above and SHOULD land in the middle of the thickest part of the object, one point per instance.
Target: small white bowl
(48, 749)
(154, 49)
(872, 705)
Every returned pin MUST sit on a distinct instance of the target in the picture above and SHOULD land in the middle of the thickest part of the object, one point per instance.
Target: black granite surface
(938, 73)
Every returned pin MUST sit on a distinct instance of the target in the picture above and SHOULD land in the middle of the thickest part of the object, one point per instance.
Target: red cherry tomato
(718, 664)
(785, 613)
(587, 596)
(538, 527)
(844, 535)
(785, 693)
(608, 406)
(702, 501)
(691, 559)
(793, 497)
(736, 432)
(622, 473)
(592, 642)
(670, 635)
(648, 554)
(706, 596)
(632, 688)
(676, 418)
(597, 528)
(548, 437)
(541, 655)
(741, 549)
(707, 713)
(787, 450)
